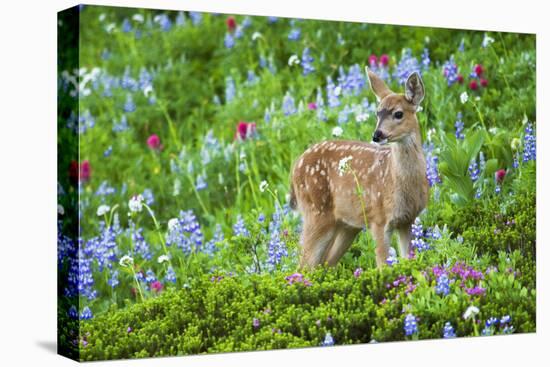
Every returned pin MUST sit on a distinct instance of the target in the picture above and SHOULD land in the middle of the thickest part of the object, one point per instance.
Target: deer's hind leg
(317, 236)
(382, 236)
(342, 240)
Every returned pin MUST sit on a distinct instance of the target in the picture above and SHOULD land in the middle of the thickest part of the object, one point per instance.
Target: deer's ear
(377, 85)
(414, 89)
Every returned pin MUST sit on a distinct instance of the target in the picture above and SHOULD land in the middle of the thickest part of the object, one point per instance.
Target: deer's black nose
(377, 136)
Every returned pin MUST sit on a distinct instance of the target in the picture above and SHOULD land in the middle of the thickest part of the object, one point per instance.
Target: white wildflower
(362, 117)
(172, 224)
(464, 97)
(470, 312)
(102, 210)
(136, 203)
(126, 261)
(148, 90)
(256, 35)
(138, 18)
(60, 209)
(163, 258)
(263, 186)
(110, 27)
(337, 91)
(337, 131)
(343, 165)
(102, 17)
(293, 60)
(487, 41)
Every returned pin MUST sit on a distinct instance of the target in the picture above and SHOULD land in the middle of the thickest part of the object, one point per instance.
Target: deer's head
(396, 112)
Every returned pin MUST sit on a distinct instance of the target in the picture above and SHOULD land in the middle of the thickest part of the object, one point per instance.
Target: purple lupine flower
(228, 40)
(448, 331)
(450, 71)
(442, 286)
(459, 126)
(328, 341)
(239, 228)
(185, 232)
(406, 66)
(307, 59)
(529, 144)
(333, 93)
(432, 173)
(170, 275)
(410, 325)
(473, 170)
(230, 90)
(425, 60)
(255, 323)
(289, 107)
(357, 273)
(294, 34)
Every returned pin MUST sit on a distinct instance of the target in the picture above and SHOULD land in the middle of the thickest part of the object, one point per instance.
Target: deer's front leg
(382, 236)
(405, 241)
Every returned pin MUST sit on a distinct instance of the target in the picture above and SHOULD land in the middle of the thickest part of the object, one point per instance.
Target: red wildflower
(156, 286)
(384, 60)
(231, 23)
(473, 85)
(373, 60)
(483, 82)
(73, 172)
(154, 142)
(85, 171)
(312, 106)
(500, 175)
(460, 79)
(478, 69)
(245, 130)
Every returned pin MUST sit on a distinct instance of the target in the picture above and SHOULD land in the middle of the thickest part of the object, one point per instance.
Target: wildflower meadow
(177, 134)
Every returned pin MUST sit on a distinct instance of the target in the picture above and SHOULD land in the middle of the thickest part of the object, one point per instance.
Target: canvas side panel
(68, 172)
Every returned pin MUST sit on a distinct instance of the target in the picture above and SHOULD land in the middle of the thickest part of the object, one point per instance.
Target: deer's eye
(398, 115)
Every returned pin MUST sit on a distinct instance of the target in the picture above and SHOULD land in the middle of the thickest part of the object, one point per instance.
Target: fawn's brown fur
(392, 178)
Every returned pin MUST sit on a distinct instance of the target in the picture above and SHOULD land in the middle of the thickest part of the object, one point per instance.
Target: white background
(28, 181)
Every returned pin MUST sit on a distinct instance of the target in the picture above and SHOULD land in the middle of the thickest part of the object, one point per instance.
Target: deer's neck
(408, 161)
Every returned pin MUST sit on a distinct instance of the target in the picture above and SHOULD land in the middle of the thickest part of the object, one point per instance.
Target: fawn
(391, 173)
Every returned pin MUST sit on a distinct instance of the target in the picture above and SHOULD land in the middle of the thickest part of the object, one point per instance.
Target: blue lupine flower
(186, 234)
(196, 17)
(333, 93)
(122, 125)
(170, 275)
(113, 280)
(85, 121)
(272, 20)
(459, 126)
(392, 257)
(126, 26)
(73, 312)
(425, 60)
(473, 170)
(508, 329)
(251, 77)
(294, 34)
(450, 71)
(150, 276)
(529, 144)
(261, 218)
(108, 151)
(210, 246)
(328, 341)
(201, 183)
(104, 189)
(432, 173)
(442, 286)
(505, 319)
(491, 321)
(448, 331)
(461, 46)
(239, 228)
(487, 331)
(276, 247)
(239, 32)
(163, 21)
(417, 230)
(410, 326)
(343, 115)
(406, 66)
(229, 89)
(289, 107)
(141, 247)
(148, 196)
(307, 59)
(180, 19)
(86, 314)
(229, 40)
(247, 22)
(129, 105)
(320, 104)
